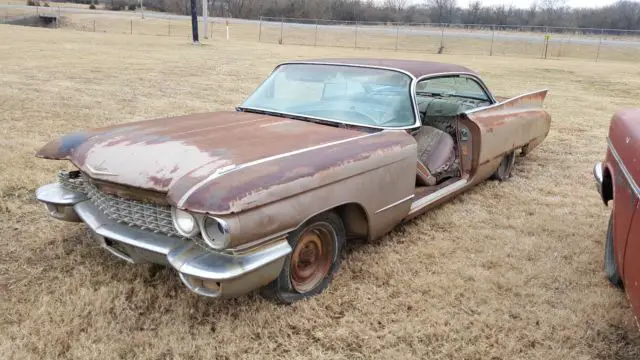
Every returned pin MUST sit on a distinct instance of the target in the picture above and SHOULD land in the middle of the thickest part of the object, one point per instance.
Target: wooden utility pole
(194, 22)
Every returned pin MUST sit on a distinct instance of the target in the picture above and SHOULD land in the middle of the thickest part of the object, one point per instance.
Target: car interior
(438, 157)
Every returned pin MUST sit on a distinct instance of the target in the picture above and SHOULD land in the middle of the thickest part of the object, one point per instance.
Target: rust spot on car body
(154, 155)
(288, 175)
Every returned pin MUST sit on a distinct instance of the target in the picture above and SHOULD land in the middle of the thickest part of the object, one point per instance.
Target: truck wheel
(315, 258)
(610, 266)
(503, 173)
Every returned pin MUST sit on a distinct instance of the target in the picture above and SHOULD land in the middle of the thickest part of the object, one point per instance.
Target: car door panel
(512, 124)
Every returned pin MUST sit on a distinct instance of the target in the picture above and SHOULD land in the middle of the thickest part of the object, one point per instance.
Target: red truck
(617, 181)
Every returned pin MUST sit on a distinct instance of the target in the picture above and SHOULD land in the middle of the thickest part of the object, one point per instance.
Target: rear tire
(314, 259)
(610, 265)
(503, 173)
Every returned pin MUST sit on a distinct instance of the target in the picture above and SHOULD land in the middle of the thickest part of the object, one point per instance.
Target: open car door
(517, 123)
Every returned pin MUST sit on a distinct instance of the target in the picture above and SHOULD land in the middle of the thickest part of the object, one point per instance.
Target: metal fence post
(210, 30)
(441, 49)
(281, 30)
(315, 40)
(599, 44)
(493, 36)
(94, 25)
(397, 35)
(546, 43)
(355, 44)
(131, 27)
(260, 30)
(169, 28)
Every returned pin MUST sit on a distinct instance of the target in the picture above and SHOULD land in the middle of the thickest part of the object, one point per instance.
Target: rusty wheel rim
(312, 258)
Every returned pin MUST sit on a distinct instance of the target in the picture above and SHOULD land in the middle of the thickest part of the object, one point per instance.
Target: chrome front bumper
(598, 175)
(202, 270)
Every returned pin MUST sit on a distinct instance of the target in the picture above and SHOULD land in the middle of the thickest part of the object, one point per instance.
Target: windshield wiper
(286, 115)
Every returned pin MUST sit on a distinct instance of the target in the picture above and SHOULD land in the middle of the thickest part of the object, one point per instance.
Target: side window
(460, 86)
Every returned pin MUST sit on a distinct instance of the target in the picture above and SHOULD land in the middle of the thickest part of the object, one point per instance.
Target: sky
(527, 3)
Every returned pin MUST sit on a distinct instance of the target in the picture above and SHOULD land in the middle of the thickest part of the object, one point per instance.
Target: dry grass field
(506, 271)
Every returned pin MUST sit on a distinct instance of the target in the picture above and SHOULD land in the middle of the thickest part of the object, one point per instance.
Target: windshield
(340, 93)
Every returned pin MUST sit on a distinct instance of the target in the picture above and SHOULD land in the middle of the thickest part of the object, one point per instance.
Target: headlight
(215, 232)
(184, 222)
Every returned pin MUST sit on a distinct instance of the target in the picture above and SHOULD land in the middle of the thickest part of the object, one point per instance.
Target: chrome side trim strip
(420, 203)
(216, 174)
(624, 169)
(396, 203)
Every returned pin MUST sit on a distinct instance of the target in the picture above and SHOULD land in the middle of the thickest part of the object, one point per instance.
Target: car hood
(155, 154)
(226, 162)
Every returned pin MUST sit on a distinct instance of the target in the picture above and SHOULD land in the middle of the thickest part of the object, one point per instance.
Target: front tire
(314, 259)
(610, 265)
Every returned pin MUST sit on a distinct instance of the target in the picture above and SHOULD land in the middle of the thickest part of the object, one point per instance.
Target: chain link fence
(492, 40)
(125, 22)
(460, 39)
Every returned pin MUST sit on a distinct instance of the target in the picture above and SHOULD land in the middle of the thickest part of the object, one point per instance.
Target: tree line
(624, 14)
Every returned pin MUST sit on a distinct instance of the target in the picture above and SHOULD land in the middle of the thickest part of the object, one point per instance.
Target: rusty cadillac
(617, 179)
(265, 196)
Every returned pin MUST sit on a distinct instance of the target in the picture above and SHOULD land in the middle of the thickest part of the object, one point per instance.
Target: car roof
(417, 68)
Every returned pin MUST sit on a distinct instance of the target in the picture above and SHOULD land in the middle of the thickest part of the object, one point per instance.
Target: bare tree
(552, 9)
(396, 5)
(500, 14)
(627, 13)
(242, 8)
(474, 11)
(442, 10)
(532, 13)
(624, 14)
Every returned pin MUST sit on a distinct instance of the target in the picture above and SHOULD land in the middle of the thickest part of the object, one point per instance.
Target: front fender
(286, 175)
(384, 194)
(275, 197)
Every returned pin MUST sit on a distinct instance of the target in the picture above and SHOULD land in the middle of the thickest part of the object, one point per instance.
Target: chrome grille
(150, 217)
(72, 181)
